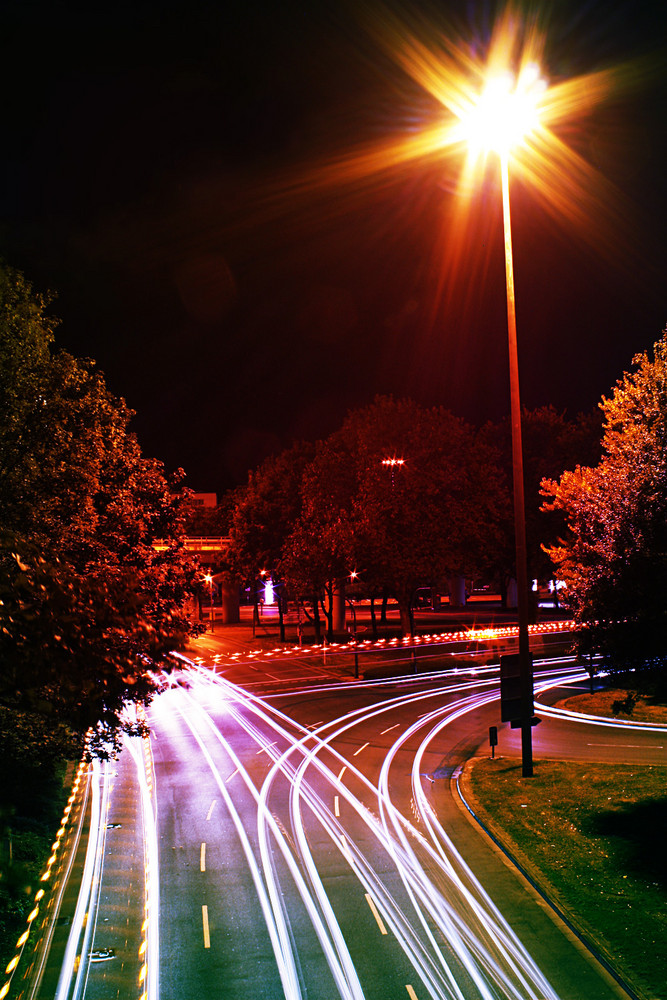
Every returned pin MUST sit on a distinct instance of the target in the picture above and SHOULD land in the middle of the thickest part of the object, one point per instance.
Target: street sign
(510, 687)
(516, 702)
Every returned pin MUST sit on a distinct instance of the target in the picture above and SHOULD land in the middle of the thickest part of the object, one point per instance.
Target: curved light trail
(415, 881)
(74, 970)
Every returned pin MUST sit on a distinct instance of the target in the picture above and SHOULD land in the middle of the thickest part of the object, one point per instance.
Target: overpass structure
(209, 551)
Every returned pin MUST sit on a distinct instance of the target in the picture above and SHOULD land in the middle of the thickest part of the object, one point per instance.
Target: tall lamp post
(504, 114)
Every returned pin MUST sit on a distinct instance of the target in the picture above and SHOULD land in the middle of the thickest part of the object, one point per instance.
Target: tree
(401, 526)
(266, 510)
(317, 551)
(614, 558)
(551, 442)
(90, 608)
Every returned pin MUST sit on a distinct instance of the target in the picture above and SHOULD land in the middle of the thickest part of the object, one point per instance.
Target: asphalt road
(288, 831)
(310, 845)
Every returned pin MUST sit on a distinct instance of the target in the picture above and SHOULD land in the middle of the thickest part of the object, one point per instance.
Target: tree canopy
(89, 606)
(552, 442)
(315, 517)
(614, 558)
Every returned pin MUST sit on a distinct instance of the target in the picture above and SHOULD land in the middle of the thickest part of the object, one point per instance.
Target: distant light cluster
(464, 635)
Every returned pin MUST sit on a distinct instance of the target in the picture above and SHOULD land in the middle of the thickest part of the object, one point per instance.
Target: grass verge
(594, 839)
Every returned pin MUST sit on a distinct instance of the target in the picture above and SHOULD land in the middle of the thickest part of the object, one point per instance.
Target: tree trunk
(316, 619)
(383, 613)
(407, 618)
(281, 615)
(374, 623)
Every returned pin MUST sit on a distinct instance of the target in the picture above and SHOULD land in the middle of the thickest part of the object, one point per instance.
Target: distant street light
(392, 463)
(209, 580)
(505, 113)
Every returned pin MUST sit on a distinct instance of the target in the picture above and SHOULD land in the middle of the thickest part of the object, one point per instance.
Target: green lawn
(595, 839)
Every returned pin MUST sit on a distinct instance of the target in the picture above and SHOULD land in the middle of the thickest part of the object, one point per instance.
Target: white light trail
(74, 968)
(443, 919)
(141, 753)
(400, 931)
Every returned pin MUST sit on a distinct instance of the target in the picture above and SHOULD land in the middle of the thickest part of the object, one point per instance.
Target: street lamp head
(506, 111)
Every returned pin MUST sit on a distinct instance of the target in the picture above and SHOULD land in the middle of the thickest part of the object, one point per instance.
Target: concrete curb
(591, 946)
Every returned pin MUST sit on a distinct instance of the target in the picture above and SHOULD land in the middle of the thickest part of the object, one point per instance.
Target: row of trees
(315, 513)
(89, 610)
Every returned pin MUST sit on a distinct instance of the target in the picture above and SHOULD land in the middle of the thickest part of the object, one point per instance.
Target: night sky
(157, 173)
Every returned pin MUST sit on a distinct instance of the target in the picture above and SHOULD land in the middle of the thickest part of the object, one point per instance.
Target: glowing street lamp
(505, 113)
(392, 463)
(489, 110)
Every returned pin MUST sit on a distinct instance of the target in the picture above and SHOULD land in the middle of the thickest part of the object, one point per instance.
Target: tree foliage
(614, 558)
(266, 510)
(314, 517)
(88, 604)
(433, 517)
(552, 442)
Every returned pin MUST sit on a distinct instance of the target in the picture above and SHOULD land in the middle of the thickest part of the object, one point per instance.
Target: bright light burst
(506, 112)
(501, 103)
(468, 90)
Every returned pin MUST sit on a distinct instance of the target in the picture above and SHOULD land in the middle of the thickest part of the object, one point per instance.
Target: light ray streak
(423, 973)
(264, 712)
(341, 967)
(400, 924)
(136, 746)
(597, 720)
(35, 985)
(398, 921)
(95, 837)
(273, 914)
(497, 930)
(93, 898)
(466, 944)
(542, 987)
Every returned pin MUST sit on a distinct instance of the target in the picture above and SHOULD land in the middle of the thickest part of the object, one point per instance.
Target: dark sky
(152, 162)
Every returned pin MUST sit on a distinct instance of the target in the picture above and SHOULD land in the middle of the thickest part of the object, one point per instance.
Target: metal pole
(526, 668)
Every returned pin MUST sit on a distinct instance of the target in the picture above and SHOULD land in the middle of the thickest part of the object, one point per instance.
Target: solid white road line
(207, 936)
(374, 911)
